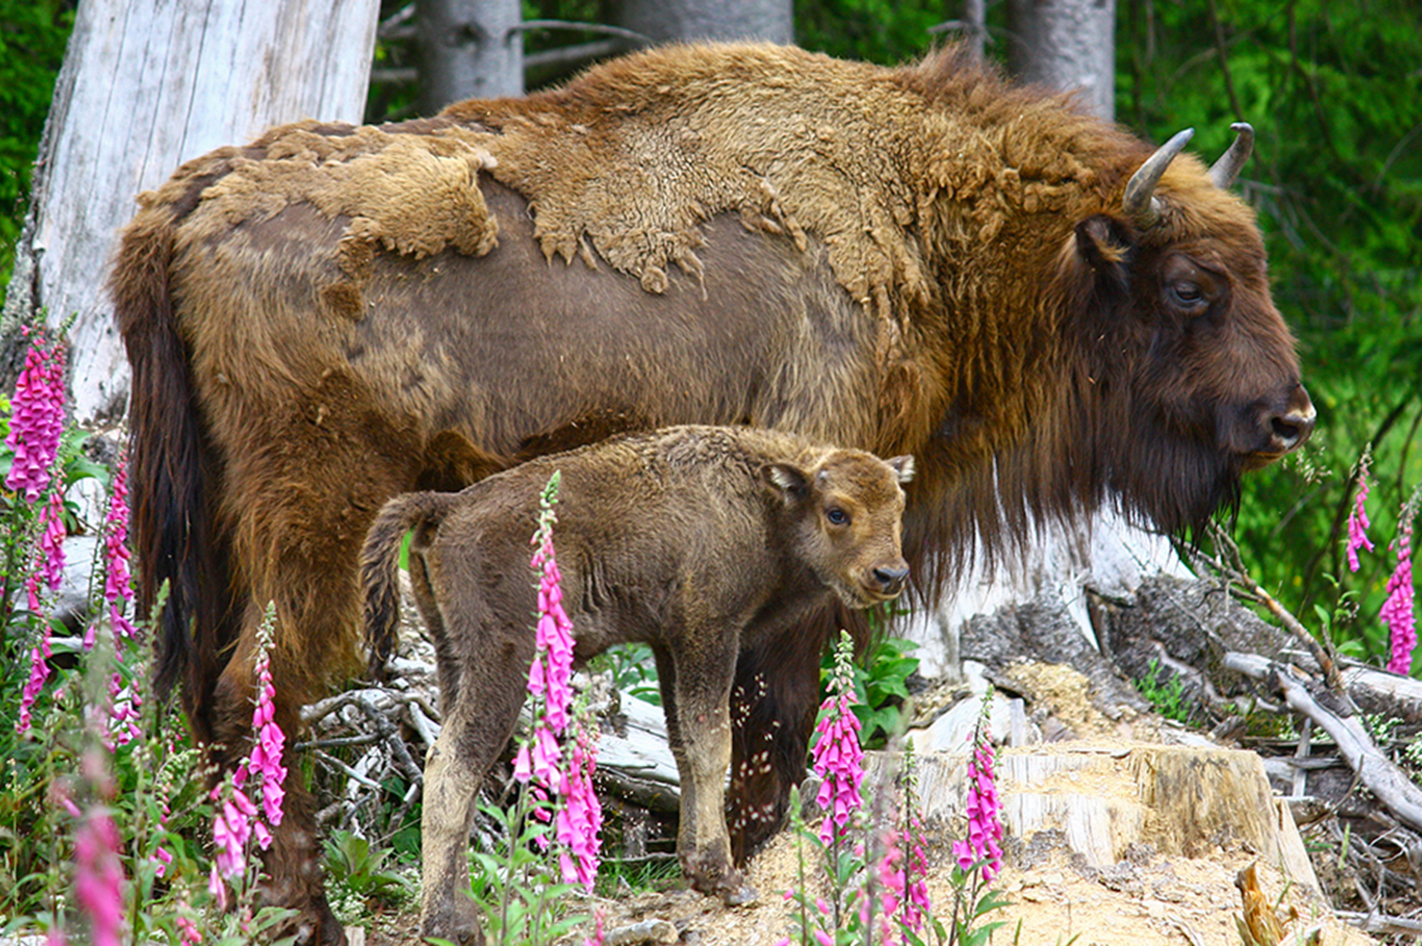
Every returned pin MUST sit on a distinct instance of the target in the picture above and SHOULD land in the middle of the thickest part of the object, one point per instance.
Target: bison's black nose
(891, 579)
(1294, 425)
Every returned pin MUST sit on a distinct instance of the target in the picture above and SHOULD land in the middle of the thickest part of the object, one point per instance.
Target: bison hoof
(738, 895)
(731, 887)
(459, 925)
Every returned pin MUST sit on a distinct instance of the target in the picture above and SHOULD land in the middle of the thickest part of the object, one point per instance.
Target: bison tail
(379, 563)
(171, 468)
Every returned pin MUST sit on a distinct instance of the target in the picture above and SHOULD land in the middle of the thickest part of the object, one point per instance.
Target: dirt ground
(1149, 900)
(1054, 898)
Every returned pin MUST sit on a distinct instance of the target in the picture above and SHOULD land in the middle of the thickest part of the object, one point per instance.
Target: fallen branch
(1234, 571)
(1388, 783)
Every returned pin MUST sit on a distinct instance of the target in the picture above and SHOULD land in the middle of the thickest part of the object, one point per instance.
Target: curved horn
(1138, 204)
(1226, 170)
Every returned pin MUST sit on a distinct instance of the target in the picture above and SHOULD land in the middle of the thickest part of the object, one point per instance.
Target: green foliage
(1168, 698)
(880, 686)
(32, 38)
(516, 887)
(355, 872)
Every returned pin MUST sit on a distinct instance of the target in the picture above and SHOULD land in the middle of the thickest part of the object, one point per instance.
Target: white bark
(1106, 555)
(469, 49)
(681, 20)
(146, 85)
(1067, 44)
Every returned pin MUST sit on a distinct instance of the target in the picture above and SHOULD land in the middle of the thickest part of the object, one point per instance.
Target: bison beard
(924, 260)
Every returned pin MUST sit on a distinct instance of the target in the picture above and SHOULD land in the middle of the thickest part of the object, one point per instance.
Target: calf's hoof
(740, 894)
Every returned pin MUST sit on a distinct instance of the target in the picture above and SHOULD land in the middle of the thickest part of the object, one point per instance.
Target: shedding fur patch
(412, 194)
(637, 154)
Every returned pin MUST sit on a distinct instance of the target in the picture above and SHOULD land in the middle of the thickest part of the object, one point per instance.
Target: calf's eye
(837, 516)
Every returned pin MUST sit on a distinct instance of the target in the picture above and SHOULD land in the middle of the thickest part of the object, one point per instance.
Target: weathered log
(1377, 772)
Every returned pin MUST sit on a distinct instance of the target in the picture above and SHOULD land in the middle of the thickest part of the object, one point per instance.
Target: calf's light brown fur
(696, 540)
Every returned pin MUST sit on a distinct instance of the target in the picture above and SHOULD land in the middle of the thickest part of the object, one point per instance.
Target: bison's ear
(902, 467)
(1102, 244)
(790, 482)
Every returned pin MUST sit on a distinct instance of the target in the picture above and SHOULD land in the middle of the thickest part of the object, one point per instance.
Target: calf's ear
(903, 468)
(789, 481)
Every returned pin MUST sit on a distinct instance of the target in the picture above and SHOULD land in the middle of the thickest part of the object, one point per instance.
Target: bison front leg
(701, 742)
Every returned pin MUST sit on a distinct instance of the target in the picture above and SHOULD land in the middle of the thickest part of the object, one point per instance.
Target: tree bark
(683, 20)
(146, 85)
(469, 49)
(1068, 45)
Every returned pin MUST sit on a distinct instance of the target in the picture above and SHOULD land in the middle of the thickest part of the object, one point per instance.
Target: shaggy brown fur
(697, 540)
(919, 260)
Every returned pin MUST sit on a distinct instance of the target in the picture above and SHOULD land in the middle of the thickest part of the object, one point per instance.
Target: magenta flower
(36, 419)
(597, 938)
(1358, 519)
(553, 639)
(983, 807)
(39, 673)
(237, 822)
(579, 822)
(125, 704)
(264, 762)
(1398, 610)
(118, 580)
(837, 756)
(48, 568)
(538, 763)
(191, 934)
(98, 877)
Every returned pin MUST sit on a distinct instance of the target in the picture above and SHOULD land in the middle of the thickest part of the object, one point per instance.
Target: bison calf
(697, 540)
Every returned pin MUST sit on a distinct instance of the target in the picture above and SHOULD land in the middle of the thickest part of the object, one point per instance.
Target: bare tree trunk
(674, 20)
(1067, 44)
(145, 86)
(469, 49)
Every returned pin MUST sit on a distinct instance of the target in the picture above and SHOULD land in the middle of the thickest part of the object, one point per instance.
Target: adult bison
(1043, 310)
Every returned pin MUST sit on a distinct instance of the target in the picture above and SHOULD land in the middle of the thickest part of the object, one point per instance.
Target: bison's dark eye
(837, 516)
(1189, 297)
(1187, 294)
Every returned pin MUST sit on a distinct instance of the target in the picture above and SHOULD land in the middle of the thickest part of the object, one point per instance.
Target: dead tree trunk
(144, 87)
(1067, 44)
(669, 20)
(469, 49)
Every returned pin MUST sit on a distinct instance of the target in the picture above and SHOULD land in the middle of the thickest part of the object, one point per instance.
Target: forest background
(1334, 91)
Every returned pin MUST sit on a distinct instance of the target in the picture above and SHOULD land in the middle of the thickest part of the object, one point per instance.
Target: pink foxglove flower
(118, 580)
(837, 756)
(597, 938)
(39, 673)
(579, 821)
(1358, 519)
(1398, 610)
(237, 820)
(264, 762)
(36, 419)
(984, 840)
(48, 568)
(98, 877)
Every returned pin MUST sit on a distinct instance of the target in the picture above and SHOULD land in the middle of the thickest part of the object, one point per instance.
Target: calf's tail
(380, 563)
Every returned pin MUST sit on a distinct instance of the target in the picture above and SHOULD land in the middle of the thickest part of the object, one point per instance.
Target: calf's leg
(482, 716)
(703, 668)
